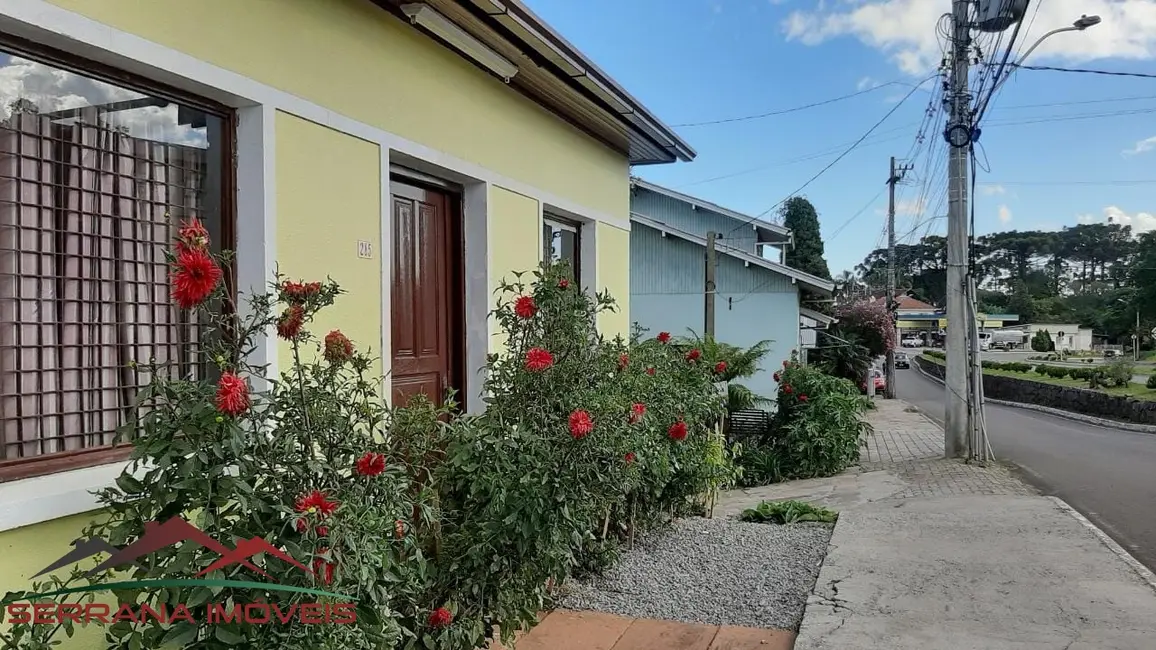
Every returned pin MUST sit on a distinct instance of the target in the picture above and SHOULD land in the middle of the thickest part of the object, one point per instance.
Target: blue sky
(717, 59)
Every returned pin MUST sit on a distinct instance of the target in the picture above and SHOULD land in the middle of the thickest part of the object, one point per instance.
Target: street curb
(1060, 413)
(1146, 575)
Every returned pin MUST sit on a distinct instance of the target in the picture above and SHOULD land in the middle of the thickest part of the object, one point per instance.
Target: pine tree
(807, 254)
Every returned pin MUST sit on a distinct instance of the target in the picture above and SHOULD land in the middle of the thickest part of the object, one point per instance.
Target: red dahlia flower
(802, 398)
(787, 389)
(538, 360)
(650, 371)
(677, 431)
(580, 424)
(629, 458)
(301, 525)
(637, 410)
(693, 355)
(194, 275)
(525, 307)
(663, 337)
(440, 618)
(298, 293)
(232, 394)
(192, 235)
(315, 502)
(777, 376)
(786, 364)
(720, 367)
(623, 361)
(371, 464)
(289, 326)
(338, 347)
(323, 531)
(563, 283)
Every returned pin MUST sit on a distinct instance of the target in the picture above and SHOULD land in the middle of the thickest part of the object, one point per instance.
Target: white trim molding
(44, 498)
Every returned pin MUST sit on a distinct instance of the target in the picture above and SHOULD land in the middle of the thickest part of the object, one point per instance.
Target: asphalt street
(1106, 474)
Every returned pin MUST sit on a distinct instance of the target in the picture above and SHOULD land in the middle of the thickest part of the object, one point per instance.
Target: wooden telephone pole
(893, 179)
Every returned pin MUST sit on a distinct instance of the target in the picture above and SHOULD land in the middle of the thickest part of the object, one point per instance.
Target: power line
(893, 134)
(856, 215)
(1110, 73)
(1104, 182)
(759, 116)
(1106, 100)
(844, 154)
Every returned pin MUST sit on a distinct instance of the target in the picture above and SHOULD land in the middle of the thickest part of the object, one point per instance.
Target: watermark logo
(158, 536)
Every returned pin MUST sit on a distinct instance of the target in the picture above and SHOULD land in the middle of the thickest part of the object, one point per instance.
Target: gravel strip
(713, 571)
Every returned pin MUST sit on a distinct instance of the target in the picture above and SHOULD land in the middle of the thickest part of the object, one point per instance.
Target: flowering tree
(870, 322)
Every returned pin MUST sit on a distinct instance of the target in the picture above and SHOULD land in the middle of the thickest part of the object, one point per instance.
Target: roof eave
(650, 125)
(825, 287)
(755, 223)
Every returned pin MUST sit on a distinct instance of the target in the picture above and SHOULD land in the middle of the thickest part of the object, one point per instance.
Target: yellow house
(415, 152)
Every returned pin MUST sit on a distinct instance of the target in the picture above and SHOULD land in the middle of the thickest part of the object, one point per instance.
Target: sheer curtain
(87, 213)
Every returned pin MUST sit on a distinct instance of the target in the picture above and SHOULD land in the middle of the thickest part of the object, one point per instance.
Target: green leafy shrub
(1119, 372)
(935, 354)
(817, 429)
(788, 512)
(1151, 383)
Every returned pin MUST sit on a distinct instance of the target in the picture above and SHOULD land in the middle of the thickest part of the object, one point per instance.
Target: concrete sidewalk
(934, 554)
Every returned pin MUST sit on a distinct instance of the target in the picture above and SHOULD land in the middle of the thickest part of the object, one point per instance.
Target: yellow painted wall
(613, 246)
(515, 244)
(25, 551)
(329, 198)
(354, 58)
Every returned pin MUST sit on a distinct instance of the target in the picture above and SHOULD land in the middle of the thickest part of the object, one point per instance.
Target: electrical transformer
(998, 15)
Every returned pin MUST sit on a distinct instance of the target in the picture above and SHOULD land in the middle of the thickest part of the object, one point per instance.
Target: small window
(561, 241)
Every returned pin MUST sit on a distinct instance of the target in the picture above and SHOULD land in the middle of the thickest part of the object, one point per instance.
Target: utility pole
(893, 179)
(959, 137)
(708, 293)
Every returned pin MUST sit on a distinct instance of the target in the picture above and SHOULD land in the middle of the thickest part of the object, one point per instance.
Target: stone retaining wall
(1076, 400)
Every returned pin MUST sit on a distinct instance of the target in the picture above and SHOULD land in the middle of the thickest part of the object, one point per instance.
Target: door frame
(399, 179)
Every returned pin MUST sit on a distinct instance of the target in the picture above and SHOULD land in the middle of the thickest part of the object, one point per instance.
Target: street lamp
(1082, 23)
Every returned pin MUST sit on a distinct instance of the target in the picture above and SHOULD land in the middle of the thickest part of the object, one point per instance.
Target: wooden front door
(427, 299)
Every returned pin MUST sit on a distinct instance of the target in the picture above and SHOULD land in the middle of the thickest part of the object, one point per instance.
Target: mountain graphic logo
(158, 536)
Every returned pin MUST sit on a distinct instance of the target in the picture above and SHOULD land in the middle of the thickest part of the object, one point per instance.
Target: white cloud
(865, 83)
(1141, 146)
(1005, 214)
(910, 207)
(905, 29)
(1139, 221)
(50, 89)
(992, 189)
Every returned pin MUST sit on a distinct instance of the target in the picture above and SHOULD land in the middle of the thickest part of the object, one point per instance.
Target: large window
(94, 179)
(561, 243)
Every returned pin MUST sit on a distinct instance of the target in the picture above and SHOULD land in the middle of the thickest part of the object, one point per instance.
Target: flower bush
(818, 428)
(441, 527)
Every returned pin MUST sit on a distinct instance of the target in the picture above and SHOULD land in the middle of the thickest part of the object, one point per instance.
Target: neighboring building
(756, 296)
(416, 153)
(1066, 336)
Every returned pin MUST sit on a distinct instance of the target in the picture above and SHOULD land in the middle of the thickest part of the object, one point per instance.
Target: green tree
(1042, 341)
(807, 254)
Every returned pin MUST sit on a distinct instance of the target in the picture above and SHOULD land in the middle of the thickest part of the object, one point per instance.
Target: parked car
(877, 379)
(901, 360)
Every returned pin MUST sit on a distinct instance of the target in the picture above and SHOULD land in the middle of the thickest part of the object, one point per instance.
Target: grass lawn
(1137, 391)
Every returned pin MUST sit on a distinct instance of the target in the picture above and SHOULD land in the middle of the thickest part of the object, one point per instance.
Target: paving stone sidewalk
(902, 458)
